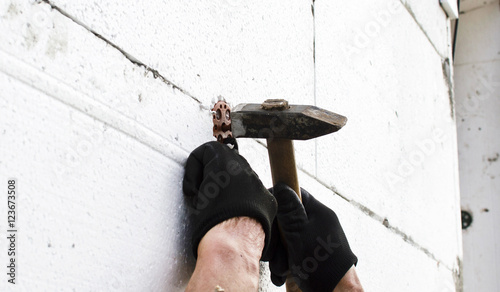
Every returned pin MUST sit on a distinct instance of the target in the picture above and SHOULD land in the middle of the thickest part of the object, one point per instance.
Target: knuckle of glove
(278, 280)
(288, 201)
(321, 256)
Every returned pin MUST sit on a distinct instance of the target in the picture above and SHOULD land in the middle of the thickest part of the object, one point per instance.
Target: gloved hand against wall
(219, 184)
(317, 253)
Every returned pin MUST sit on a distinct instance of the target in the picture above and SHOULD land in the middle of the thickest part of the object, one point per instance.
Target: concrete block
(486, 21)
(78, 108)
(375, 245)
(383, 256)
(468, 5)
(92, 76)
(244, 51)
(104, 102)
(113, 216)
(433, 21)
(397, 154)
(477, 90)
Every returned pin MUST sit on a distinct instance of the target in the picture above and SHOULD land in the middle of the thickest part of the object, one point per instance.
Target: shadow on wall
(182, 267)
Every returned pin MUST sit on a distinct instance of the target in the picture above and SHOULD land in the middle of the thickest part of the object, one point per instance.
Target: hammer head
(277, 119)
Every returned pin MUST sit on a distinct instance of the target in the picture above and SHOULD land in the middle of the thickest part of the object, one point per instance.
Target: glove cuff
(263, 209)
(345, 261)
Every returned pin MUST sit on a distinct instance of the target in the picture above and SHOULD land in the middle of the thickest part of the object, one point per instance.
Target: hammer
(280, 123)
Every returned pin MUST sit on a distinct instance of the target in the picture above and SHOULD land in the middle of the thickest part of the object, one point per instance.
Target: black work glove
(317, 254)
(219, 184)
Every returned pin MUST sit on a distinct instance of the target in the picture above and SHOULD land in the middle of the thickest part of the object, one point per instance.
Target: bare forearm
(228, 257)
(349, 283)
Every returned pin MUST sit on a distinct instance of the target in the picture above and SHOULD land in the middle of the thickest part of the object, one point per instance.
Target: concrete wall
(102, 103)
(477, 76)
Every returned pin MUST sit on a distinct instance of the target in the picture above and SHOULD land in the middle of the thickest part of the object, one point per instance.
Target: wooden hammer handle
(282, 159)
(284, 170)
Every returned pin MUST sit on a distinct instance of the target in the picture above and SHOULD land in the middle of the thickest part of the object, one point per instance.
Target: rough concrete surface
(468, 5)
(396, 99)
(478, 90)
(104, 101)
(432, 20)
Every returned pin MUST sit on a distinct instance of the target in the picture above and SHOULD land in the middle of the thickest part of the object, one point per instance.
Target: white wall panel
(243, 50)
(433, 21)
(97, 208)
(478, 107)
(468, 5)
(397, 154)
(104, 101)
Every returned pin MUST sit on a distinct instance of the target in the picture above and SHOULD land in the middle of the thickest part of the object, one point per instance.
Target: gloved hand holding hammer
(236, 221)
(231, 213)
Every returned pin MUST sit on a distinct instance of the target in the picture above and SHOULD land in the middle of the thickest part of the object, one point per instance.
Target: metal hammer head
(277, 119)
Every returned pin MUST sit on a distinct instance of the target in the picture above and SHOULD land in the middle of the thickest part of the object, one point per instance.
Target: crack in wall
(372, 214)
(410, 11)
(132, 59)
(485, 3)
(359, 206)
(314, 83)
(445, 60)
(67, 95)
(383, 220)
(455, 65)
(449, 82)
(458, 276)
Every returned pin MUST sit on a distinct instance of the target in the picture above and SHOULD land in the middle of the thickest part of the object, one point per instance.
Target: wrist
(241, 235)
(229, 254)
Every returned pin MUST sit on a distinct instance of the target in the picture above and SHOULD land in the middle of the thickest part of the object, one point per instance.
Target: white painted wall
(102, 103)
(477, 79)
